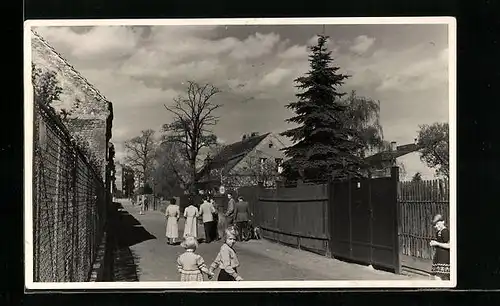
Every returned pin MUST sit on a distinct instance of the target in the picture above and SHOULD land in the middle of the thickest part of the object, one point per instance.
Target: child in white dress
(190, 265)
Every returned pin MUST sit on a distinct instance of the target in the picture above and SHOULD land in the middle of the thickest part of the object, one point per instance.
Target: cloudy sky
(141, 68)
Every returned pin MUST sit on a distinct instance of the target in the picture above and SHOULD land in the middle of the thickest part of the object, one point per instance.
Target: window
(278, 162)
(270, 144)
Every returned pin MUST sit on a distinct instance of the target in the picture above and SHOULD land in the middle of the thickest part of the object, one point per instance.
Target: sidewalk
(261, 260)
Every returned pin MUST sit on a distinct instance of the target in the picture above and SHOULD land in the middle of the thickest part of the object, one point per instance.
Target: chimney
(244, 137)
(393, 146)
(415, 141)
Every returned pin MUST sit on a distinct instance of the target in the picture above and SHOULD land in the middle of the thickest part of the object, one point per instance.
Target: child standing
(191, 265)
(227, 260)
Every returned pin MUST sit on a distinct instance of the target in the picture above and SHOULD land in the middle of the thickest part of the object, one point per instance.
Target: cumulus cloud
(275, 77)
(361, 44)
(295, 52)
(98, 41)
(255, 46)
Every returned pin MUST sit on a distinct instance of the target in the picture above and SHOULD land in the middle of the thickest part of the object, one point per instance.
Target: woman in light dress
(191, 215)
(172, 213)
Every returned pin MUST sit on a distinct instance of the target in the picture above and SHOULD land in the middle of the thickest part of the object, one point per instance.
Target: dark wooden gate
(364, 221)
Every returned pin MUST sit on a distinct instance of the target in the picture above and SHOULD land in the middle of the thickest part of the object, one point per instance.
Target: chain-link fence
(68, 204)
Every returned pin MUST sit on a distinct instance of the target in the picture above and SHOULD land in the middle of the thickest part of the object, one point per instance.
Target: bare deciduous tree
(193, 117)
(141, 151)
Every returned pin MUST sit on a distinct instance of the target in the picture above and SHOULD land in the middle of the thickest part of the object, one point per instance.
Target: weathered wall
(90, 112)
(94, 132)
(261, 150)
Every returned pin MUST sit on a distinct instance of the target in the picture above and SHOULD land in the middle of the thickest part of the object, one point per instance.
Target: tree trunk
(192, 164)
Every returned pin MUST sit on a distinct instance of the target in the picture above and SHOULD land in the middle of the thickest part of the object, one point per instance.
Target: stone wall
(90, 115)
(93, 132)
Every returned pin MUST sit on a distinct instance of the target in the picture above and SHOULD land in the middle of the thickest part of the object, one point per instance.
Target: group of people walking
(234, 226)
(237, 217)
(207, 212)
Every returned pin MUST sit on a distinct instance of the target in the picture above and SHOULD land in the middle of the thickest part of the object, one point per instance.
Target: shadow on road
(126, 232)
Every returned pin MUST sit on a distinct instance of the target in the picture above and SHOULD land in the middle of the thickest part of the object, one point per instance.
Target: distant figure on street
(172, 213)
(229, 215)
(190, 226)
(226, 260)
(146, 202)
(441, 261)
(142, 203)
(241, 217)
(217, 220)
(206, 211)
(190, 265)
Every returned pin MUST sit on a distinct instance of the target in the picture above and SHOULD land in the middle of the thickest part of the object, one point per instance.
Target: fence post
(328, 219)
(394, 184)
(349, 181)
(370, 207)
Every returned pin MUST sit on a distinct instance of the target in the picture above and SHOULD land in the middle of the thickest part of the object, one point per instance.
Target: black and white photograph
(240, 153)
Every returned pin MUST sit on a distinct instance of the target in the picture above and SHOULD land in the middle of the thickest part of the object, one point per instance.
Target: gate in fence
(364, 221)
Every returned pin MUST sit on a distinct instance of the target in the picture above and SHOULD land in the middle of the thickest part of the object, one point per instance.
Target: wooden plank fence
(296, 217)
(419, 202)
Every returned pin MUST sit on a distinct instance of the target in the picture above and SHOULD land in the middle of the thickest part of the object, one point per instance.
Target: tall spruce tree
(324, 146)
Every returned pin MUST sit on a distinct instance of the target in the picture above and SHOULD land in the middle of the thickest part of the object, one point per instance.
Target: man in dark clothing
(241, 217)
(230, 211)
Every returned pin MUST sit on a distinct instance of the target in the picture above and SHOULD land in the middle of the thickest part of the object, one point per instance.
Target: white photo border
(383, 284)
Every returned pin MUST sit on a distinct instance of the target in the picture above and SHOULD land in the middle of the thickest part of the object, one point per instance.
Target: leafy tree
(111, 167)
(417, 177)
(193, 117)
(259, 170)
(172, 171)
(46, 90)
(434, 141)
(128, 180)
(140, 156)
(147, 189)
(363, 115)
(325, 146)
(402, 170)
(46, 87)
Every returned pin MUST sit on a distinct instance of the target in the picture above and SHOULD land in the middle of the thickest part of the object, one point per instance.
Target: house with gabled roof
(252, 160)
(380, 163)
